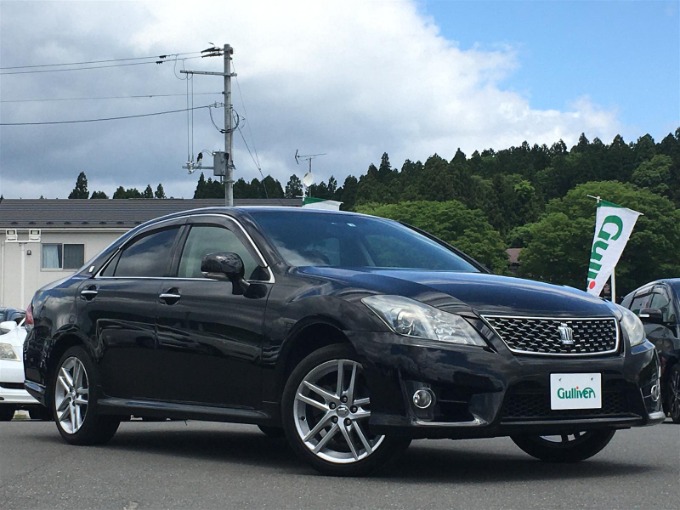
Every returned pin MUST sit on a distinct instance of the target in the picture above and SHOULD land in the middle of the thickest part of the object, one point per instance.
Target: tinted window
(662, 301)
(146, 256)
(204, 240)
(305, 238)
(640, 301)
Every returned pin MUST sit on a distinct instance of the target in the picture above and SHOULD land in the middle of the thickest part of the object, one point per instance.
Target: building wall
(21, 272)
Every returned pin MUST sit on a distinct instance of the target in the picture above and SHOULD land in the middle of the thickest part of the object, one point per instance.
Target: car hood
(482, 292)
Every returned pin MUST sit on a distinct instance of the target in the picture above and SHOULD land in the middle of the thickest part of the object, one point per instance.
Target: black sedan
(350, 334)
(657, 304)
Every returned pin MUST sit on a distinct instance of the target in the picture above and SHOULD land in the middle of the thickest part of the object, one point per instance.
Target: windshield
(307, 238)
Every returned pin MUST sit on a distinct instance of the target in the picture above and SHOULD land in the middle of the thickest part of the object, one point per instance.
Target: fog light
(423, 398)
(655, 393)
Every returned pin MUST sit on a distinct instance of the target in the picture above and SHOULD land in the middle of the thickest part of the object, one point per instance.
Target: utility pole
(223, 162)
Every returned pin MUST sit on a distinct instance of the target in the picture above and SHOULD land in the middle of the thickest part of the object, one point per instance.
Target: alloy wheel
(331, 409)
(71, 395)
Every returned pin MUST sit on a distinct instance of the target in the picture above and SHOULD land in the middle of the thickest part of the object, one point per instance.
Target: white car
(13, 395)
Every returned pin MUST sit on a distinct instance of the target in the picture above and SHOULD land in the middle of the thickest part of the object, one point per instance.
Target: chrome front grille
(557, 336)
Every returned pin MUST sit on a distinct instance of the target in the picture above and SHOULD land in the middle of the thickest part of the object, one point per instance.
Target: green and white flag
(613, 226)
(320, 203)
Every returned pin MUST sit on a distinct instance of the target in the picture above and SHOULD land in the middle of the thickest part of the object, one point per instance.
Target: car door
(118, 309)
(665, 334)
(209, 338)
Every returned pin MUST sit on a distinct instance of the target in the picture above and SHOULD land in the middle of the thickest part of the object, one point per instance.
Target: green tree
(122, 193)
(272, 187)
(348, 193)
(160, 192)
(452, 222)
(148, 192)
(654, 175)
(293, 187)
(98, 195)
(558, 245)
(80, 191)
(208, 188)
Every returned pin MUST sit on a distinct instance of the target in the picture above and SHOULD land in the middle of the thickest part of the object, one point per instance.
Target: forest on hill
(536, 198)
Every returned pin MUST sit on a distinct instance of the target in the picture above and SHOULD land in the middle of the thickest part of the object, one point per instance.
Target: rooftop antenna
(308, 178)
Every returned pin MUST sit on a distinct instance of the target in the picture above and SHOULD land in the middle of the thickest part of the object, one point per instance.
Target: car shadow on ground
(462, 463)
(470, 461)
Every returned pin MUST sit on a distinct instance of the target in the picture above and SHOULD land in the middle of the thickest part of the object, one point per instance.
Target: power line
(156, 57)
(38, 71)
(99, 120)
(138, 96)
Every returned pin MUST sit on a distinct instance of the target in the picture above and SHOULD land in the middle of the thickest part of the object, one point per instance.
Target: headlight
(632, 325)
(7, 352)
(415, 319)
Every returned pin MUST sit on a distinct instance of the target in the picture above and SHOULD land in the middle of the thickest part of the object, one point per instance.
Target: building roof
(119, 214)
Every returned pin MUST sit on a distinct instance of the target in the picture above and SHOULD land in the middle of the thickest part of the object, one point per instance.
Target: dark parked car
(350, 334)
(11, 314)
(658, 306)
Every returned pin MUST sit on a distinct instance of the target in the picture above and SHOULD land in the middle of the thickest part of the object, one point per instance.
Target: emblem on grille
(566, 334)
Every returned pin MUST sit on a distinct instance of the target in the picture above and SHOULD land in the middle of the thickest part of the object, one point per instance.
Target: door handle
(170, 296)
(89, 293)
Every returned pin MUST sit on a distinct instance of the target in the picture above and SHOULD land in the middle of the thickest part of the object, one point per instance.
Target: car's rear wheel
(673, 393)
(565, 447)
(326, 409)
(74, 393)
(6, 412)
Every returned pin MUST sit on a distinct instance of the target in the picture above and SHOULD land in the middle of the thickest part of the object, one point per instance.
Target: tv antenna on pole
(308, 178)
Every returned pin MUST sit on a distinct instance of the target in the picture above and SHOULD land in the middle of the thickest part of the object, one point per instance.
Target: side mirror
(226, 266)
(651, 315)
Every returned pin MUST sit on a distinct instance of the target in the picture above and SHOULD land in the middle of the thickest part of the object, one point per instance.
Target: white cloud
(350, 79)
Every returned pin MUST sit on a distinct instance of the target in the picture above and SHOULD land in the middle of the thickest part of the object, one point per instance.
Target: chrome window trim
(160, 223)
(245, 233)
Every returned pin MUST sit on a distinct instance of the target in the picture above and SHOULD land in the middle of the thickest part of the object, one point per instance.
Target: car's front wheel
(74, 393)
(673, 393)
(565, 447)
(326, 409)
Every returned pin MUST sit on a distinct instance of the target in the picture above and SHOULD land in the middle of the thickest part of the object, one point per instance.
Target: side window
(206, 239)
(639, 302)
(147, 256)
(661, 300)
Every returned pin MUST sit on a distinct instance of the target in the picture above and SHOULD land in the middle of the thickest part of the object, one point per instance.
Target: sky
(345, 81)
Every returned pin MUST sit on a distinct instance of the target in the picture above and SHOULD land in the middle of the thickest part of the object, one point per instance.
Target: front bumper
(480, 392)
(12, 389)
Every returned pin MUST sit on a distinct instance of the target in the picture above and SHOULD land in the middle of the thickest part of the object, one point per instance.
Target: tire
(74, 393)
(673, 393)
(6, 412)
(326, 406)
(40, 413)
(566, 447)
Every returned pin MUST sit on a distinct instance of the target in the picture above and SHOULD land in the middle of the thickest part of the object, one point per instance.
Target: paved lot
(196, 465)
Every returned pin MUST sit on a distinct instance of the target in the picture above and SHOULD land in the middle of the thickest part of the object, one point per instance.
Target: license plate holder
(575, 391)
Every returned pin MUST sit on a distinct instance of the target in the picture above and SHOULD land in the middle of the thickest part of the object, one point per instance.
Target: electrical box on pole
(220, 159)
(223, 166)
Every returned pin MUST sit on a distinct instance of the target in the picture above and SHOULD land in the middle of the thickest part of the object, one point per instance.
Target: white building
(44, 240)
